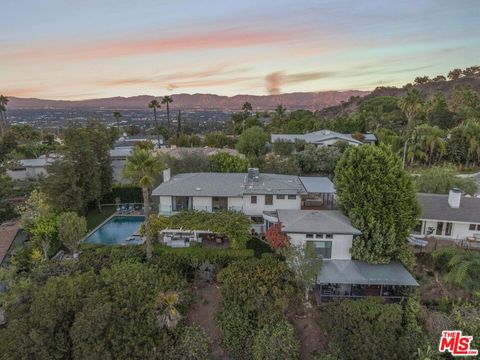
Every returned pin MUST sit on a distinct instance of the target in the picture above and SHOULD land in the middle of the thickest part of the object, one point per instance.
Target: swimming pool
(118, 230)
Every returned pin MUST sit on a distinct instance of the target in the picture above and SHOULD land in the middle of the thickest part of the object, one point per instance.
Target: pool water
(117, 230)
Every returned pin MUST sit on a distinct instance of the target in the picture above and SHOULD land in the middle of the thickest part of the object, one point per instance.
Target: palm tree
(3, 110)
(142, 168)
(154, 104)
(411, 104)
(117, 115)
(166, 306)
(471, 132)
(167, 100)
(462, 267)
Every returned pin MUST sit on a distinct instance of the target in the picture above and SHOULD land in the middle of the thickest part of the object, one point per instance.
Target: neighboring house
(252, 193)
(326, 138)
(119, 159)
(128, 142)
(31, 169)
(453, 216)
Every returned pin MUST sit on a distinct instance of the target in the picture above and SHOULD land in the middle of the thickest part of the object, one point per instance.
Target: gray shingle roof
(228, 184)
(316, 184)
(316, 221)
(435, 207)
(359, 272)
(320, 136)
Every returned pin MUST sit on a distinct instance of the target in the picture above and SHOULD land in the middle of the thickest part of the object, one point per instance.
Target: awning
(362, 273)
(317, 184)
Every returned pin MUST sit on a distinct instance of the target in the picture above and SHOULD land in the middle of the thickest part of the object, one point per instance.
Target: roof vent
(198, 189)
(454, 197)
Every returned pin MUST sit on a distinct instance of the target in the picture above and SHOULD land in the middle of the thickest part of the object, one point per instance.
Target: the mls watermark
(458, 345)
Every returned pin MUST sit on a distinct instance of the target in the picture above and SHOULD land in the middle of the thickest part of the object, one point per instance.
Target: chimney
(166, 175)
(454, 197)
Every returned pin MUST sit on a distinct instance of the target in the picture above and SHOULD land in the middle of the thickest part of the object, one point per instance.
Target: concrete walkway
(8, 230)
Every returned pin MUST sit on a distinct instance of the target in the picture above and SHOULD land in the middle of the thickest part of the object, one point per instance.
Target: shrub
(126, 194)
(238, 329)
(258, 246)
(284, 148)
(192, 343)
(276, 342)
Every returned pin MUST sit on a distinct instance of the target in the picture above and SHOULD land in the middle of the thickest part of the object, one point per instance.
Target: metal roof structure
(316, 221)
(362, 273)
(317, 185)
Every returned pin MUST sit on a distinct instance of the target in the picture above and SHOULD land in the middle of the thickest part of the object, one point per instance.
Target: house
(326, 138)
(332, 234)
(252, 193)
(118, 158)
(128, 142)
(31, 169)
(451, 217)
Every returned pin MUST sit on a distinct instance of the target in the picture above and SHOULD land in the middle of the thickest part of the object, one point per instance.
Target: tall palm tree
(471, 132)
(154, 104)
(167, 100)
(142, 168)
(411, 104)
(117, 115)
(3, 111)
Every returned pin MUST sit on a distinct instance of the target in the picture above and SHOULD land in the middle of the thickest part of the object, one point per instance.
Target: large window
(219, 203)
(292, 197)
(448, 229)
(323, 248)
(439, 228)
(181, 203)
(268, 199)
(472, 227)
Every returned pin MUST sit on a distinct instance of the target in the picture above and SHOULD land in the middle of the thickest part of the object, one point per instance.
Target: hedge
(126, 194)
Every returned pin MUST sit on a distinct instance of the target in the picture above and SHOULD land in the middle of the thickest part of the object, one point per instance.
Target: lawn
(94, 218)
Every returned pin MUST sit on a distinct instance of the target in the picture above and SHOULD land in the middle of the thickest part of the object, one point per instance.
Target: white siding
(165, 204)
(460, 230)
(341, 244)
(278, 204)
(202, 203)
(235, 203)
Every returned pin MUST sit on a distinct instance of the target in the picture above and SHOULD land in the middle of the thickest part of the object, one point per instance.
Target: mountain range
(291, 101)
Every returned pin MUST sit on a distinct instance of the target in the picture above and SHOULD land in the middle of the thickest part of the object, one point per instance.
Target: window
(418, 228)
(323, 248)
(328, 236)
(439, 228)
(268, 199)
(478, 227)
(319, 236)
(219, 203)
(253, 199)
(292, 197)
(280, 197)
(181, 203)
(448, 229)
(309, 236)
(472, 227)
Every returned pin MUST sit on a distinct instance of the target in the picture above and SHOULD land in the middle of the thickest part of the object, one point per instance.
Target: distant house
(119, 158)
(453, 216)
(129, 142)
(326, 138)
(253, 193)
(31, 169)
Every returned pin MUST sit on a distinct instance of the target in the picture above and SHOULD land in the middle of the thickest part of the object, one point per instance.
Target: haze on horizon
(93, 49)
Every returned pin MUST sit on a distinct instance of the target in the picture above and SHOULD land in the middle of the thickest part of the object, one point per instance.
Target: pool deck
(8, 231)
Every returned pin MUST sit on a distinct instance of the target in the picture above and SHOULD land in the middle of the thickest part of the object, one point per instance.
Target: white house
(128, 142)
(325, 138)
(31, 169)
(453, 216)
(252, 193)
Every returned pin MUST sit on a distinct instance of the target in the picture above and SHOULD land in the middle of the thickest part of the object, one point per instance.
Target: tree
(422, 80)
(35, 207)
(471, 133)
(71, 229)
(154, 104)
(179, 122)
(168, 315)
(224, 162)
(25, 134)
(218, 139)
(305, 264)
(438, 113)
(44, 231)
(3, 111)
(461, 267)
(439, 78)
(167, 100)
(276, 342)
(142, 168)
(440, 180)
(117, 116)
(247, 107)
(378, 196)
(193, 344)
(454, 74)
(411, 104)
(283, 147)
(275, 236)
(252, 142)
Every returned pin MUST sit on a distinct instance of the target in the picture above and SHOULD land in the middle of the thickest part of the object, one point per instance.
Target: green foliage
(224, 162)
(218, 139)
(192, 343)
(354, 328)
(71, 229)
(322, 160)
(258, 246)
(187, 163)
(461, 267)
(184, 140)
(252, 142)
(36, 206)
(466, 317)
(238, 331)
(276, 342)
(283, 147)
(440, 180)
(280, 165)
(126, 193)
(379, 197)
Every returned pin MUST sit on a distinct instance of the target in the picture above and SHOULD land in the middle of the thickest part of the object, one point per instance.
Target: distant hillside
(428, 90)
(307, 100)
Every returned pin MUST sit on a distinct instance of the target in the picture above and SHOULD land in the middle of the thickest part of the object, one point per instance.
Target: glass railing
(167, 210)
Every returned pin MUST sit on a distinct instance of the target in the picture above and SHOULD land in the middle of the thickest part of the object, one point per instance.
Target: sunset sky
(59, 49)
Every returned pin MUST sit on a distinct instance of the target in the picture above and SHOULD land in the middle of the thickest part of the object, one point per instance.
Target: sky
(57, 49)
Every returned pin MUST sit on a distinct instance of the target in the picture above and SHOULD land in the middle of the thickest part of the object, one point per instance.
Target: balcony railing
(167, 210)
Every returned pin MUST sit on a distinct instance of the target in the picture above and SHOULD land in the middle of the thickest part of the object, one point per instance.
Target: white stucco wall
(341, 244)
(202, 203)
(460, 230)
(278, 204)
(165, 204)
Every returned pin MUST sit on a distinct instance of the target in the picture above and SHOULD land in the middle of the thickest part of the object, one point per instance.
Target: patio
(180, 238)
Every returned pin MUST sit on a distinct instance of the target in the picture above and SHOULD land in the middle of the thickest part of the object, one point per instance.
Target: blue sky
(89, 49)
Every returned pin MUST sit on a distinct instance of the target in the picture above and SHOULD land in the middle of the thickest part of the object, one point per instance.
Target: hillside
(428, 90)
(292, 101)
